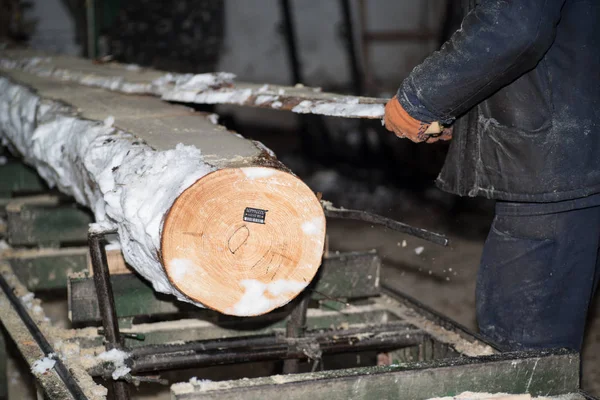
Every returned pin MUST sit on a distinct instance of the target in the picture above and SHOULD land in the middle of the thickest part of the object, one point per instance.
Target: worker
(523, 77)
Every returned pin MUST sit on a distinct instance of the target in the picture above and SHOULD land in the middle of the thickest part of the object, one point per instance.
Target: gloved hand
(403, 125)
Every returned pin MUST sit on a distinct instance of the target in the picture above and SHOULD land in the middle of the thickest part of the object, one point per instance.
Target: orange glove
(403, 125)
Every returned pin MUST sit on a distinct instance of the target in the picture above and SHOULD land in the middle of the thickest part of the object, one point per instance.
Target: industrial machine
(348, 335)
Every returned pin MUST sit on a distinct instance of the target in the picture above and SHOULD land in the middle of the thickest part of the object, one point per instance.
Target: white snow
(483, 396)
(282, 286)
(42, 365)
(202, 82)
(262, 99)
(209, 88)
(346, 107)
(304, 107)
(276, 104)
(258, 172)
(3, 160)
(179, 267)
(133, 67)
(103, 226)
(75, 156)
(27, 299)
(313, 227)
(4, 245)
(117, 359)
(233, 96)
(112, 246)
(255, 302)
(109, 121)
(419, 250)
(340, 109)
(189, 386)
(214, 118)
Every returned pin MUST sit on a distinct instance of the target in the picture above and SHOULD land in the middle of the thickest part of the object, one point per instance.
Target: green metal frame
(537, 373)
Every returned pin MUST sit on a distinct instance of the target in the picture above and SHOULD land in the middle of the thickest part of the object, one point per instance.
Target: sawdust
(463, 346)
(55, 335)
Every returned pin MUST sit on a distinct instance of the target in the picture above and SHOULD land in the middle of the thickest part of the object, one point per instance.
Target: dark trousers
(539, 271)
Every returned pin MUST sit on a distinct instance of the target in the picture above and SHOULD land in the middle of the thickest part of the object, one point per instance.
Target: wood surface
(241, 227)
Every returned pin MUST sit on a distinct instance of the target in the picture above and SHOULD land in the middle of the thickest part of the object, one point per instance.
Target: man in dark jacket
(524, 78)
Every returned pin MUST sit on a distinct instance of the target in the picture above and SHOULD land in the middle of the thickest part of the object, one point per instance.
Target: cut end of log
(244, 241)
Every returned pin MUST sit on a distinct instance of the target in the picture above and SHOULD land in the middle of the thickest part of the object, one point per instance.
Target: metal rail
(61, 370)
(357, 215)
(269, 348)
(295, 328)
(106, 302)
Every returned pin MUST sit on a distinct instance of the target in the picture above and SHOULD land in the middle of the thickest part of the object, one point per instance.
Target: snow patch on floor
(117, 358)
(42, 365)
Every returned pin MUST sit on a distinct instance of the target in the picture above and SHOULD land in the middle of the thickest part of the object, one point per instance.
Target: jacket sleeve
(498, 41)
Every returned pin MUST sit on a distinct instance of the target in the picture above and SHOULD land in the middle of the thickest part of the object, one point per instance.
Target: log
(201, 212)
(211, 88)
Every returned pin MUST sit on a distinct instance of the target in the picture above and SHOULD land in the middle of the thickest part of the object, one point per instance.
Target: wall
(55, 30)
(255, 47)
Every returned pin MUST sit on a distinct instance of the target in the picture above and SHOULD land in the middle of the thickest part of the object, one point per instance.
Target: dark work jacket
(529, 71)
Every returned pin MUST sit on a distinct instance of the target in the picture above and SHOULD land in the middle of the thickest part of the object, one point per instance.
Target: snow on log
(202, 213)
(212, 88)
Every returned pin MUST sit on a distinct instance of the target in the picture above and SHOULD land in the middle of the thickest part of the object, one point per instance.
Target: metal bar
(539, 373)
(290, 39)
(106, 303)
(356, 73)
(31, 224)
(62, 371)
(269, 340)
(363, 7)
(91, 28)
(294, 329)
(438, 319)
(291, 98)
(285, 349)
(3, 366)
(364, 216)
(345, 275)
(357, 77)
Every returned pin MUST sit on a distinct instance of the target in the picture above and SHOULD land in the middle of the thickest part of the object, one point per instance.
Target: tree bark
(202, 213)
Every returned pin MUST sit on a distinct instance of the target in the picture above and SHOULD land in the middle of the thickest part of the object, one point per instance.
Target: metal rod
(290, 38)
(90, 6)
(298, 348)
(106, 303)
(357, 76)
(254, 341)
(294, 329)
(61, 370)
(364, 216)
(364, 45)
